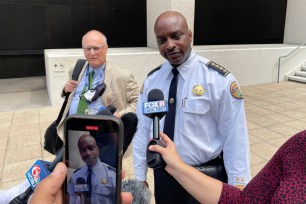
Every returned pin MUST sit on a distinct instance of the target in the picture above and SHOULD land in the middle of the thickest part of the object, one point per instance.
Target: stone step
(300, 73)
(303, 68)
(297, 78)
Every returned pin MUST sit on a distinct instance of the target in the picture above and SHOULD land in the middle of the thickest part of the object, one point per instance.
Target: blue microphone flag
(38, 172)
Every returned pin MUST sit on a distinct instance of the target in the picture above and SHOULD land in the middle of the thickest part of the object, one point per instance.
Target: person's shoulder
(75, 174)
(116, 68)
(154, 70)
(297, 140)
(109, 167)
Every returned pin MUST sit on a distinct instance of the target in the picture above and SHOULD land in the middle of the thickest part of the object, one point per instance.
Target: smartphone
(93, 155)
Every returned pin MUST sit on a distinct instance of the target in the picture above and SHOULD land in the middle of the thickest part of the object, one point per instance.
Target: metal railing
(279, 59)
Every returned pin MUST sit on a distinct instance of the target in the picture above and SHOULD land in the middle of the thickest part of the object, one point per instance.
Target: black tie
(89, 182)
(170, 116)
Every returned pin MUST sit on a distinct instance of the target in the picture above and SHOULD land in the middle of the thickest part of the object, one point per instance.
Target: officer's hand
(70, 86)
(49, 189)
(169, 154)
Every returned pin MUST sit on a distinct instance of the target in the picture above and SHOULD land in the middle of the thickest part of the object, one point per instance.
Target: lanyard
(99, 79)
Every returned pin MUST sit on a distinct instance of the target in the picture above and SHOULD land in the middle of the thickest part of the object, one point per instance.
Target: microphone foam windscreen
(141, 194)
(80, 180)
(155, 95)
(130, 122)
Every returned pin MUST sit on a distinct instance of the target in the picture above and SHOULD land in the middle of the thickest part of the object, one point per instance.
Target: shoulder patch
(154, 70)
(218, 68)
(235, 90)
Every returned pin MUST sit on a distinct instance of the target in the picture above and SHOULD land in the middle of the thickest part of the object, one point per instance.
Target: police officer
(100, 177)
(209, 116)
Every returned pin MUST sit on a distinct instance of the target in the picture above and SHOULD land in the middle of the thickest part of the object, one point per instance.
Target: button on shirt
(205, 124)
(103, 184)
(97, 79)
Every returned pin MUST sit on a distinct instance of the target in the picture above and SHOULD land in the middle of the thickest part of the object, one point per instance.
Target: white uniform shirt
(204, 126)
(103, 183)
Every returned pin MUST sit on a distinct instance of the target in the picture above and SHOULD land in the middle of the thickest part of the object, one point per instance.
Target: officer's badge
(103, 181)
(198, 90)
(235, 91)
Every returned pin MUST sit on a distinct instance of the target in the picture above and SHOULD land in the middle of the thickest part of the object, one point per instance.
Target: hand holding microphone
(38, 172)
(49, 191)
(155, 108)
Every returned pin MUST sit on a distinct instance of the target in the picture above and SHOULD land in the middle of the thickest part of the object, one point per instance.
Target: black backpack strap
(75, 75)
(77, 69)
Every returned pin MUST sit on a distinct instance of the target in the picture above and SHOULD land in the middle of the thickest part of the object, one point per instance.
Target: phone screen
(93, 155)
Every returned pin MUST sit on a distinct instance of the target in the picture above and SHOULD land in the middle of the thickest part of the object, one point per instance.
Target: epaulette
(73, 173)
(76, 170)
(218, 68)
(154, 70)
(151, 72)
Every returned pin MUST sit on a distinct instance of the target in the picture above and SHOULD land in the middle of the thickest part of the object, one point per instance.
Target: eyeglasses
(94, 48)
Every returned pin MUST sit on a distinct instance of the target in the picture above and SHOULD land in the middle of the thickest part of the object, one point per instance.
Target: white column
(295, 26)
(156, 7)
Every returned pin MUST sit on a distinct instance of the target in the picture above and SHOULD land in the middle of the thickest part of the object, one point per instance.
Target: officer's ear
(190, 35)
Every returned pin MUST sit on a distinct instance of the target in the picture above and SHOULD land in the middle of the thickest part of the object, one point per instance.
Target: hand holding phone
(93, 150)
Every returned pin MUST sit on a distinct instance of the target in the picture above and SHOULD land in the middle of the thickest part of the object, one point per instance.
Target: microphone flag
(154, 107)
(38, 172)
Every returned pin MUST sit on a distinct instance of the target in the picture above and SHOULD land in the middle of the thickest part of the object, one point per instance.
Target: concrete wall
(295, 26)
(255, 64)
(156, 7)
(251, 64)
(60, 62)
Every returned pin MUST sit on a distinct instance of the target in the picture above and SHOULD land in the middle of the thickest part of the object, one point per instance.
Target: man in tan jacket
(121, 87)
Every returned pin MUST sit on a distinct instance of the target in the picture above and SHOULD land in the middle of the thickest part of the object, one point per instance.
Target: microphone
(40, 170)
(80, 188)
(109, 110)
(130, 122)
(155, 108)
(140, 193)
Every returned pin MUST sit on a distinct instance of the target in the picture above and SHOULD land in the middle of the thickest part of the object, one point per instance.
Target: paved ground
(275, 112)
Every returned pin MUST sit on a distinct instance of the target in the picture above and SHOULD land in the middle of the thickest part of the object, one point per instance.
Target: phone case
(93, 154)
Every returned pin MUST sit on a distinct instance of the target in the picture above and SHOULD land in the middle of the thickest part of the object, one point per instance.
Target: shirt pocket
(105, 190)
(195, 113)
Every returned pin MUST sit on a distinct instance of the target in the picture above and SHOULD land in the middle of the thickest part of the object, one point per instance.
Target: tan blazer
(121, 91)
